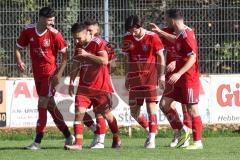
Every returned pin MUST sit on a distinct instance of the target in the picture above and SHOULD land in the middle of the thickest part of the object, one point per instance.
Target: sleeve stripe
(63, 50)
(18, 45)
(159, 51)
(190, 53)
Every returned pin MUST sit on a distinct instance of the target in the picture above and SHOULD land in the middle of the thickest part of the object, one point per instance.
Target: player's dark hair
(91, 22)
(78, 27)
(133, 21)
(47, 12)
(174, 14)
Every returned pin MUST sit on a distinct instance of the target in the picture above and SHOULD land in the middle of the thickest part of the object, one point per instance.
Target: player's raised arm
(162, 33)
(101, 58)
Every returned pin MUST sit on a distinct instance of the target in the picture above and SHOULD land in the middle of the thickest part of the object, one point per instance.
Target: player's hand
(55, 80)
(71, 90)
(21, 66)
(174, 78)
(154, 27)
(171, 66)
(161, 82)
(81, 52)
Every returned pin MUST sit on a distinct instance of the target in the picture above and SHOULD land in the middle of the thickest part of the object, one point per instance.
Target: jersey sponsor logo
(31, 39)
(46, 42)
(39, 52)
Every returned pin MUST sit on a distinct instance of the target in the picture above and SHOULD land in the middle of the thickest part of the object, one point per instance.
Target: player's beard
(49, 26)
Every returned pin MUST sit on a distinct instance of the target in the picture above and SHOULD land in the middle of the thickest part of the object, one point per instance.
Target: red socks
(101, 126)
(153, 123)
(113, 126)
(78, 130)
(187, 119)
(174, 119)
(197, 128)
(59, 121)
(114, 129)
(142, 120)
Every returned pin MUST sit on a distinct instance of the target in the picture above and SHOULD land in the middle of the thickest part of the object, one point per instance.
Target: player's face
(47, 22)
(168, 21)
(93, 29)
(135, 31)
(81, 38)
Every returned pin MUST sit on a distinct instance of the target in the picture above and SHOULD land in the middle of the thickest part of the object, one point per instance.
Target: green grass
(53, 133)
(215, 148)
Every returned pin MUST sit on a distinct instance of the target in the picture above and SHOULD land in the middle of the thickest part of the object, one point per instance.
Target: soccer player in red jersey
(144, 50)
(94, 87)
(99, 129)
(45, 43)
(185, 79)
(170, 51)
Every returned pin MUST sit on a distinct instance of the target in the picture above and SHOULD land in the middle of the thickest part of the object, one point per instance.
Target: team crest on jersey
(46, 42)
(145, 47)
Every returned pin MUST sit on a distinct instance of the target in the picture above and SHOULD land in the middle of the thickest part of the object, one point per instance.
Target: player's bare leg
(78, 129)
(140, 118)
(151, 109)
(183, 133)
(59, 121)
(196, 127)
(41, 123)
(112, 123)
(88, 121)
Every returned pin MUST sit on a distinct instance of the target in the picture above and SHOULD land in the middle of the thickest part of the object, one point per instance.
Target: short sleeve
(23, 39)
(126, 45)
(189, 44)
(61, 45)
(100, 47)
(157, 44)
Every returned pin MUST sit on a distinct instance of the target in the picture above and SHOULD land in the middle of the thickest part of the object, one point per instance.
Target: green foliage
(230, 50)
(230, 57)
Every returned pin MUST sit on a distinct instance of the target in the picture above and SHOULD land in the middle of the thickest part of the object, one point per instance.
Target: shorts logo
(46, 42)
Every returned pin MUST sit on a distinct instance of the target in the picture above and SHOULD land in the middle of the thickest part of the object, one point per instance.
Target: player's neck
(180, 27)
(40, 28)
(141, 33)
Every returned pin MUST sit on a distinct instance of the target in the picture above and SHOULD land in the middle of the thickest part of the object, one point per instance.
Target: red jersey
(169, 49)
(94, 77)
(186, 45)
(110, 50)
(169, 46)
(142, 57)
(43, 49)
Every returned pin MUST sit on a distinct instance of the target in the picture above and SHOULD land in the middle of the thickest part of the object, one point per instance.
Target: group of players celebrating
(165, 58)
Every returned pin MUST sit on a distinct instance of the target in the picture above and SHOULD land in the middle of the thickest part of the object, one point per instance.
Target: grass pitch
(215, 148)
